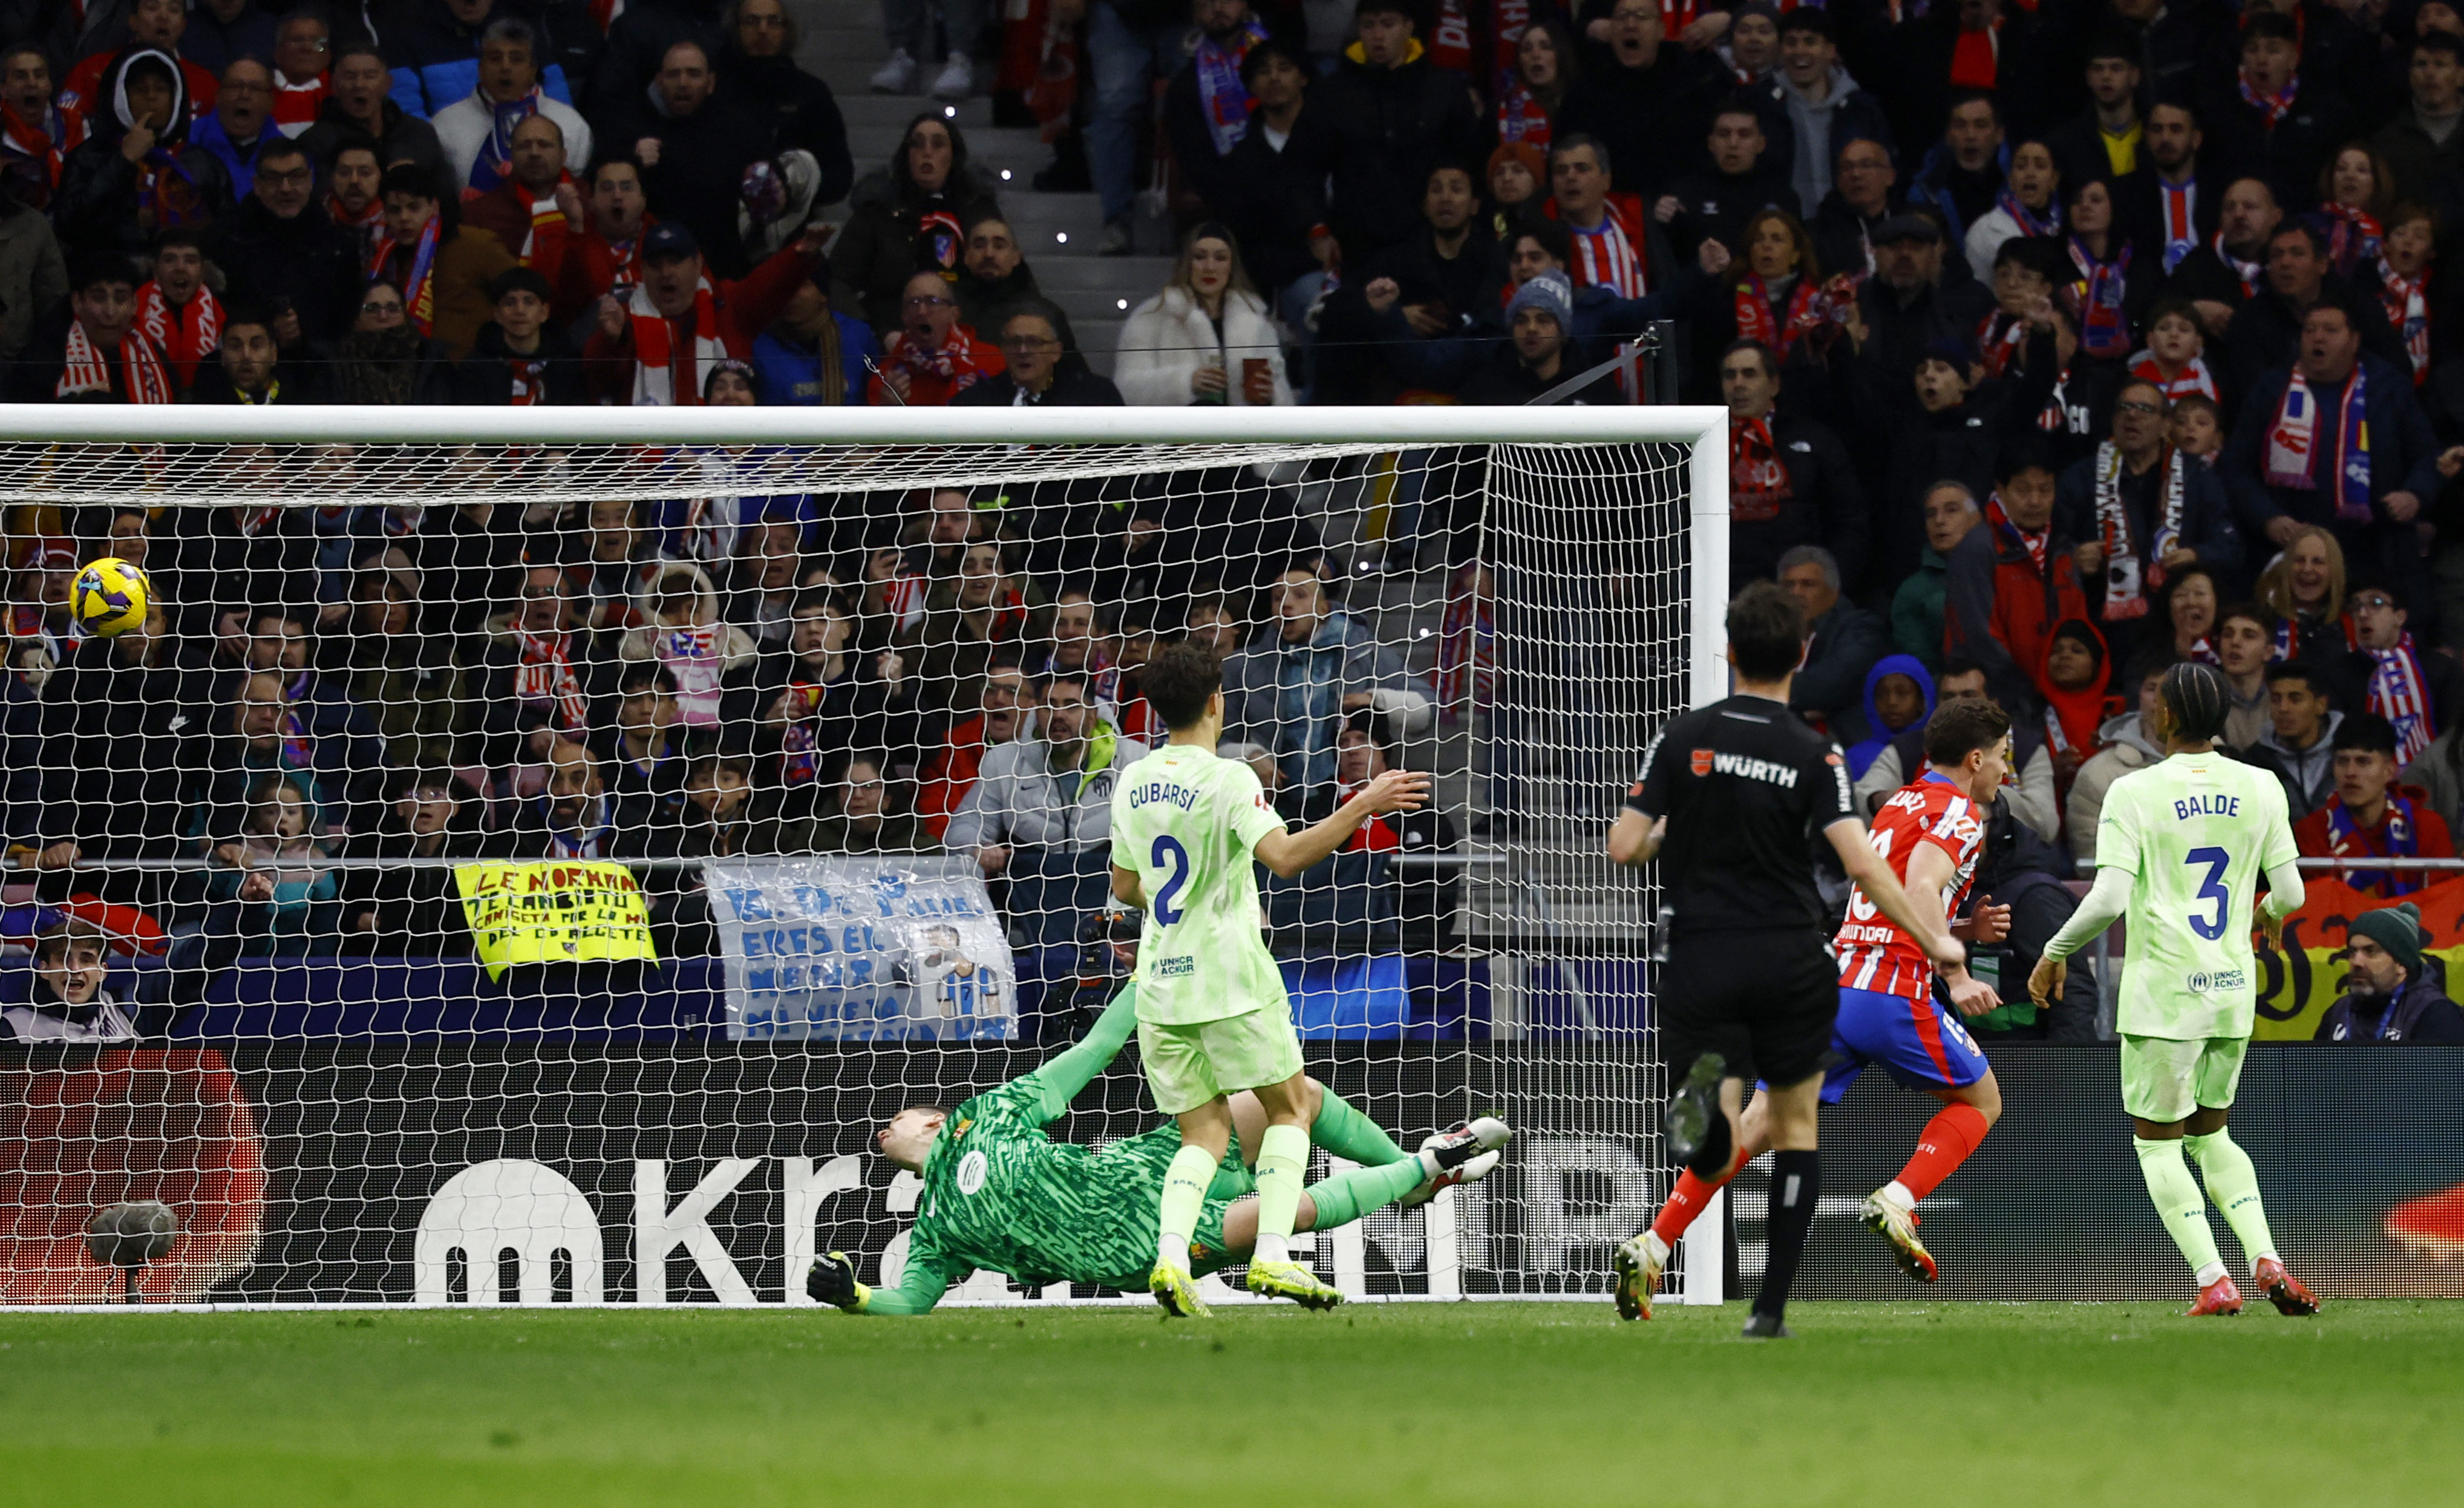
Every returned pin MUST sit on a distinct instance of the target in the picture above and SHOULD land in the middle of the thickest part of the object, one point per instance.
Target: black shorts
(1763, 1000)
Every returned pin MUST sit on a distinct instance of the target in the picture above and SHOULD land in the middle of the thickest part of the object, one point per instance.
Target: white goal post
(728, 1212)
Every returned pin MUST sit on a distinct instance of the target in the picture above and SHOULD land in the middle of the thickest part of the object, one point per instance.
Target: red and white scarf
(85, 369)
(1610, 257)
(2399, 693)
(2036, 542)
(2352, 234)
(693, 657)
(658, 341)
(1520, 116)
(1757, 476)
(2407, 302)
(189, 334)
(543, 243)
(2292, 446)
(2193, 380)
(2104, 331)
(45, 145)
(1810, 311)
(1999, 340)
(2247, 271)
(367, 226)
(418, 285)
(295, 105)
(546, 673)
(2126, 595)
(2178, 203)
(2275, 106)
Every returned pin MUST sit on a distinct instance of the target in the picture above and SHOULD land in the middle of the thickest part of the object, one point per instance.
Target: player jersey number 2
(2212, 926)
(1166, 853)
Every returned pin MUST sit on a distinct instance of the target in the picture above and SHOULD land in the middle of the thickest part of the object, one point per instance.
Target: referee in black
(1729, 798)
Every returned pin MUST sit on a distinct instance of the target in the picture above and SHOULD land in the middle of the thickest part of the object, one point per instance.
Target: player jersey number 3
(2212, 926)
(1168, 854)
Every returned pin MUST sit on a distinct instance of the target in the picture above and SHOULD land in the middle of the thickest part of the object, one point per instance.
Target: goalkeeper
(999, 1194)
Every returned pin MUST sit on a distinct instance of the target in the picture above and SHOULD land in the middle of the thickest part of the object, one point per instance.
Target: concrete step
(1007, 155)
(892, 111)
(1086, 305)
(1134, 276)
(1054, 225)
(1099, 339)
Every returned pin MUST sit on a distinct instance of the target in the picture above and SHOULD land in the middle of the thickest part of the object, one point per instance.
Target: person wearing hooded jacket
(2395, 994)
(2030, 797)
(1891, 711)
(1392, 117)
(139, 173)
(2070, 678)
(2126, 743)
(2300, 745)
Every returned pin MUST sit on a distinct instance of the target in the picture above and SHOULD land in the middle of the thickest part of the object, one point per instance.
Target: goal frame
(1702, 429)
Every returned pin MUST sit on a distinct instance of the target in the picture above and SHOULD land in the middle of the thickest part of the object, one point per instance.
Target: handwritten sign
(890, 948)
(557, 911)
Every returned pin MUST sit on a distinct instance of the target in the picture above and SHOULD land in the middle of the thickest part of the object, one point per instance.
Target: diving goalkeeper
(1001, 1195)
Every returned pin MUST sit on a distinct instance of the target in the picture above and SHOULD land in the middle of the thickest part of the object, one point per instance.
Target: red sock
(1949, 1138)
(1686, 1200)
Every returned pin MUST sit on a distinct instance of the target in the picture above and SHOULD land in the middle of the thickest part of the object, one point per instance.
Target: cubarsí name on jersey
(1173, 791)
(1770, 771)
(2206, 804)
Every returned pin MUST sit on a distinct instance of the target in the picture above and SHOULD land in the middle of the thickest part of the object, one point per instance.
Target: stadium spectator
(1531, 92)
(1534, 357)
(2030, 205)
(1391, 117)
(1824, 106)
(1636, 94)
(684, 630)
(65, 1000)
(2169, 206)
(932, 357)
(2358, 413)
(92, 351)
(521, 357)
(1790, 480)
(156, 26)
(262, 733)
(476, 131)
(2244, 646)
(765, 577)
(281, 252)
(1040, 818)
(1613, 244)
(2298, 746)
(795, 108)
(1906, 310)
(35, 134)
(302, 44)
(812, 353)
(1898, 696)
(1040, 368)
(219, 33)
(947, 776)
(1207, 338)
(694, 145)
(2031, 797)
(1205, 107)
(242, 120)
(408, 682)
(248, 368)
(2142, 510)
(2275, 125)
(2266, 329)
(2419, 143)
(2398, 277)
(439, 54)
(2356, 197)
(351, 201)
(2012, 581)
(538, 672)
(993, 274)
(821, 696)
(2395, 993)
(175, 308)
(121, 733)
(1965, 172)
(2125, 743)
(864, 822)
(359, 109)
(1918, 606)
(2176, 358)
(1518, 173)
(1955, 430)
(908, 216)
(439, 266)
(413, 908)
(1744, 179)
(980, 615)
(138, 173)
(533, 207)
(2370, 814)
(2103, 141)
(2388, 672)
(1863, 194)
(1845, 641)
(277, 900)
(1289, 694)
(658, 343)
(382, 359)
(571, 818)
(1425, 305)
(1274, 195)
(643, 748)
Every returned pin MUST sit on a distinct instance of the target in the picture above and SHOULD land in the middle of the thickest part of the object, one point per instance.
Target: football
(110, 598)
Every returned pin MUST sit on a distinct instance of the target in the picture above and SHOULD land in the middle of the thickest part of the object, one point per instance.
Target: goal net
(524, 856)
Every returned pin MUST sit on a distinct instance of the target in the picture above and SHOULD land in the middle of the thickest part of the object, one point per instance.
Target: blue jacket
(790, 371)
(1927, 190)
(2404, 450)
(437, 62)
(208, 134)
(1862, 754)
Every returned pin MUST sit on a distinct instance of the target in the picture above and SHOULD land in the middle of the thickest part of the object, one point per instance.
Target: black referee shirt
(1744, 785)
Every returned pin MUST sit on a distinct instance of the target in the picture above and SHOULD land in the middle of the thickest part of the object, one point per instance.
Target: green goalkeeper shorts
(2164, 1081)
(1190, 1064)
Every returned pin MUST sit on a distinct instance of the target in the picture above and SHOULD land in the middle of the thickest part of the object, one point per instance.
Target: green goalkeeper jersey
(2195, 832)
(1001, 1196)
(1186, 822)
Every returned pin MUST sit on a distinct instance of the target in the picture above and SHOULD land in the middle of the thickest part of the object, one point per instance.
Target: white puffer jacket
(1165, 338)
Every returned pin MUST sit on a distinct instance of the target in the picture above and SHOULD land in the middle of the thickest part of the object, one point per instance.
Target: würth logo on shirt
(1769, 771)
(1703, 759)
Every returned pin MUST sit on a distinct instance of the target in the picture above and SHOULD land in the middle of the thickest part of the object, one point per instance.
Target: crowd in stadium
(2060, 341)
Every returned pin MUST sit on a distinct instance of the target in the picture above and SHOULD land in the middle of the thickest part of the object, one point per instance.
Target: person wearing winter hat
(2395, 993)
(1536, 356)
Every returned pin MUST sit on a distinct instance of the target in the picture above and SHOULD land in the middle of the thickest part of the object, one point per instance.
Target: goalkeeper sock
(2233, 1183)
(1347, 1196)
(1350, 1135)
(1686, 1201)
(1945, 1143)
(1283, 1161)
(2182, 1208)
(1797, 1187)
(1184, 1196)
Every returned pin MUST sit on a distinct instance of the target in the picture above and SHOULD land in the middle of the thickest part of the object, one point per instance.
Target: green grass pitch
(1491, 1405)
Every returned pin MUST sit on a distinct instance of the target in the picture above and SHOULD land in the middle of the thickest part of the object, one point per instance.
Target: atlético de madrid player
(1929, 833)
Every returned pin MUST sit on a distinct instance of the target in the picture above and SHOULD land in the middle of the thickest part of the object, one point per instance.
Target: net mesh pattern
(532, 874)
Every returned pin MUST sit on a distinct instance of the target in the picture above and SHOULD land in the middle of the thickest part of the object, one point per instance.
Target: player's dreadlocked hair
(2198, 701)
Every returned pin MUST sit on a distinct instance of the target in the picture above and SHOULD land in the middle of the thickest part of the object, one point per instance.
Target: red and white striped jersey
(1874, 952)
(1608, 258)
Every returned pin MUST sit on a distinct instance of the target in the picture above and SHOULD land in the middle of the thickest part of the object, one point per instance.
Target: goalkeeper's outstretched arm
(1057, 1083)
(919, 1287)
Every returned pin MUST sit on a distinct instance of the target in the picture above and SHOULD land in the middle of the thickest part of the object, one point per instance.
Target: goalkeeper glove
(832, 1282)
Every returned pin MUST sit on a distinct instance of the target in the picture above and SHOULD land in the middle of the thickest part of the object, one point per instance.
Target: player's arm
(2285, 891)
(1287, 853)
(2104, 904)
(919, 1287)
(1057, 1083)
(1873, 876)
(1636, 837)
(1125, 889)
(1930, 872)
